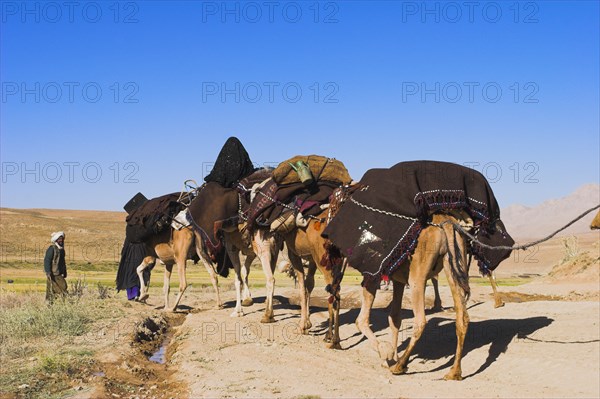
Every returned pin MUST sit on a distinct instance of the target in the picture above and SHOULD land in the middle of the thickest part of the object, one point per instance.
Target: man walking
(55, 267)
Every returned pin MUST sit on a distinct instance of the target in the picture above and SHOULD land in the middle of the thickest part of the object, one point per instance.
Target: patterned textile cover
(378, 227)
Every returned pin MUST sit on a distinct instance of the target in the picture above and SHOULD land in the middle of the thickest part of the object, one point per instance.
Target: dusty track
(529, 348)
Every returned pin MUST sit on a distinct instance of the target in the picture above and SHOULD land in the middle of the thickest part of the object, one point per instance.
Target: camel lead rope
(458, 227)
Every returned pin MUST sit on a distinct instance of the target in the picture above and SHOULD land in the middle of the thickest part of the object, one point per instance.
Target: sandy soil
(513, 351)
(544, 343)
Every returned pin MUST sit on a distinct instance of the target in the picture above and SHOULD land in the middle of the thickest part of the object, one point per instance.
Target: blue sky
(101, 100)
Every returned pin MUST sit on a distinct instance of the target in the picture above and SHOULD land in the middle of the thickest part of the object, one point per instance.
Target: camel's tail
(457, 256)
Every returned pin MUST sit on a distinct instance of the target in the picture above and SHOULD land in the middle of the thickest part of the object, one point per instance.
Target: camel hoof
(304, 328)
(452, 376)
(267, 319)
(219, 306)
(498, 304)
(237, 313)
(386, 351)
(397, 369)
(333, 345)
(144, 297)
(247, 302)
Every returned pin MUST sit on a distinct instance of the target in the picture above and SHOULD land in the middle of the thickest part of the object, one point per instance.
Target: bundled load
(152, 217)
(300, 188)
(321, 168)
(377, 228)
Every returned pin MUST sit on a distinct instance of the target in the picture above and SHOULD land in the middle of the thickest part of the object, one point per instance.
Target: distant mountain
(545, 218)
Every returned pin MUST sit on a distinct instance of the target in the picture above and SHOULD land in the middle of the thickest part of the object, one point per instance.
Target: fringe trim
(439, 200)
(332, 257)
(402, 251)
(482, 262)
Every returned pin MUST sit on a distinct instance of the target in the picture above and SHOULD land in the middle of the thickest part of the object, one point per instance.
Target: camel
(596, 222)
(179, 248)
(172, 247)
(438, 247)
(263, 245)
(306, 243)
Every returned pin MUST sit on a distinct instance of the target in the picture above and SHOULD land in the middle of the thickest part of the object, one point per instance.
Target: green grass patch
(44, 348)
(48, 376)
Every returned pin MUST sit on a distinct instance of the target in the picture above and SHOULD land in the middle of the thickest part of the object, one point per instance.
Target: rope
(381, 211)
(524, 246)
(458, 227)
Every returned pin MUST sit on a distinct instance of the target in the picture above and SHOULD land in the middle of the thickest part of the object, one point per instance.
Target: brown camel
(307, 243)
(596, 222)
(172, 247)
(437, 248)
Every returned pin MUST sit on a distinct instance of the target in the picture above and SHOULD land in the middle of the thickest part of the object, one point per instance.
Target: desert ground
(545, 341)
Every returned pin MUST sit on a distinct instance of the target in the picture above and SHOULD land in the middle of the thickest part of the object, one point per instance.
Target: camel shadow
(379, 321)
(439, 338)
(279, 302)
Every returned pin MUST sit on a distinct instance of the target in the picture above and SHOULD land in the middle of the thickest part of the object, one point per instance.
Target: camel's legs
(234, 255)
(245, 272)
(309, 285)
(462, 323)
(209, 265)
(147, 262)
(395, 318)
(167, 282)
(214, 279)
(283, 259)
(457, 253)
(296, 262)
(332, 337)
(437, 302)
(369, 291)
(498, 303)
(264, 249)
(181, 266)
(417, 288)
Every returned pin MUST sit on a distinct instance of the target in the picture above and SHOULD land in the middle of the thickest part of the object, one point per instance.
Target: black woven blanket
(152, 217)
(378, 227)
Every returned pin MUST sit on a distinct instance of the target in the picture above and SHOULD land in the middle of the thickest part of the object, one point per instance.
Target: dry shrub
(571, 247)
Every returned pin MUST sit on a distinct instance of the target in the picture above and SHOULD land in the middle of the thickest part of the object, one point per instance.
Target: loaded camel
(404, 222)
(153, 232)
(306, 243)
(305, 187)
(174, 247)
(437, 248)
(216, 212)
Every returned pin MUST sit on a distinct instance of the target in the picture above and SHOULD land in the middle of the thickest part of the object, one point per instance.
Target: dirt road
(527, 349)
